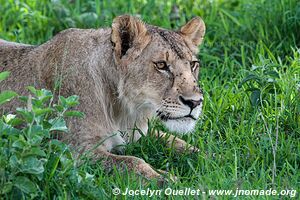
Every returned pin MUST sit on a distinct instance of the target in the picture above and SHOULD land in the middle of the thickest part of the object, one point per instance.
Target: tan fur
(116, 75)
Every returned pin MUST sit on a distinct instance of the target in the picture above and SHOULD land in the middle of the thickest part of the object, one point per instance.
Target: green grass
(250, 129)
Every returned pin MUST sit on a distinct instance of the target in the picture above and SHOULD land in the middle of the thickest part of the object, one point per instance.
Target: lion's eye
(161, 65)
(194, 65)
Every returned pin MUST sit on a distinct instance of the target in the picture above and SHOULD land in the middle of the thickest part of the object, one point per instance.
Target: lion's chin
(181, 126)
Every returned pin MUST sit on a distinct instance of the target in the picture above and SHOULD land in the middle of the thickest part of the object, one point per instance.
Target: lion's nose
(190, 102)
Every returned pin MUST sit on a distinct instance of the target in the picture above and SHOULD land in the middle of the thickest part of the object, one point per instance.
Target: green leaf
(36, 139)
(28, 116)
(23, 99)
(58, 124)
(25, 185)
(15, 122)
(4, 75)
(20, 143)
(69, 102)
(59, 108)
(6, 188)
(32, 89)
(6, 96)
(272, 73)
(63, 101)
(12, 120)
(74, 114)
(8, 118)
(57, 145)
(52, 165)
(36, 134)
(6, 129)
(251, 77)
(42, 111)
(32, 165)
(44, 95)
(72, 100)
(14, 162)
(255, 97)
(36, 151)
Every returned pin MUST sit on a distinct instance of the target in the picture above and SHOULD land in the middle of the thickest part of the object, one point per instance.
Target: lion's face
(164, 74)
(173, 76)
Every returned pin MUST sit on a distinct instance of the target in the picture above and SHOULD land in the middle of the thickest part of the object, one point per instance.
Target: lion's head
(160, 69)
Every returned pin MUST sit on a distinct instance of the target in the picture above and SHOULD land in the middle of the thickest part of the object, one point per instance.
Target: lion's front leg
(131, 163)
(99, 145)
(174, 142)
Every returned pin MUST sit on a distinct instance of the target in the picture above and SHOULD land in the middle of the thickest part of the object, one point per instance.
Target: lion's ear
(193, 31)
(128, 32)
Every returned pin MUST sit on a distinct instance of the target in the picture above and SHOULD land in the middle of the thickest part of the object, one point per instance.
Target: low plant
(33, 164)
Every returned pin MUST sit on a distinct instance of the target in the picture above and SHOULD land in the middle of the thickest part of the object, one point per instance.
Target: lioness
(124, 76)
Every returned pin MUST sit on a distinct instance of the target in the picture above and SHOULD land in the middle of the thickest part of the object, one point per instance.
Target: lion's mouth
(165, 117)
